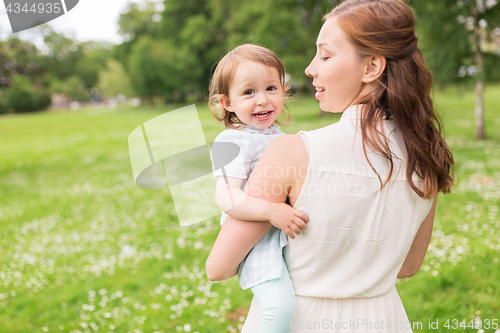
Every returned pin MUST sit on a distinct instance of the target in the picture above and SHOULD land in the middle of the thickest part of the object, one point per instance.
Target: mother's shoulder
(289, 141)
(287, 149)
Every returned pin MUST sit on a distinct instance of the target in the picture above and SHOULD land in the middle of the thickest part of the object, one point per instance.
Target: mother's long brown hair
(387, 28)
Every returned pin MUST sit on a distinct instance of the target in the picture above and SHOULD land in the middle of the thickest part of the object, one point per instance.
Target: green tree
(288, 27)
(93, 60)
(23, 96)
(202, 31)
(21, 77)
(20, 96)
(136, 21)
(62, 55)
(114, 80)
(140, 20)
(158, 68)
(62, 65)
(195, 26)
(66, 57)
(72, 86)
(20, 57)
(459, 33)
(211, 28)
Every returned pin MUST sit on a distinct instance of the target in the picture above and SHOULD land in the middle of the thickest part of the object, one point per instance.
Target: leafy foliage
(73, 87)
(93, 60)
(158, 68)
(19, 57)
(170, 47)
(448, 27)
(114, 80)
(22, 96)
(211, 28)
(64, 66)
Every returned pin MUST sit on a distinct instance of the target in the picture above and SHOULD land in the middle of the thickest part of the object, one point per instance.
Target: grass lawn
(84, 249)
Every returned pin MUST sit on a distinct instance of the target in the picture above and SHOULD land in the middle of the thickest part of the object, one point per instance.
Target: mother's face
(337, 69)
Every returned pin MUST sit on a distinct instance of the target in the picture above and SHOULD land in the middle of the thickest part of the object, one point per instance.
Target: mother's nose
(310, 70)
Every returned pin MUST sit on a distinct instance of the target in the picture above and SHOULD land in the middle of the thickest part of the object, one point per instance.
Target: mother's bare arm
(236, 238)
(267, 181)
(416, 255)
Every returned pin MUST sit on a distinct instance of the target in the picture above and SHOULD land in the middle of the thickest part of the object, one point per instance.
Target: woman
(372, 178)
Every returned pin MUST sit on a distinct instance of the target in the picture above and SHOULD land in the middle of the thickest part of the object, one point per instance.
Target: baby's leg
(277, 303)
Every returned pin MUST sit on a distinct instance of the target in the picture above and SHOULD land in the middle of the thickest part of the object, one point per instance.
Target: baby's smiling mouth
(262, 114)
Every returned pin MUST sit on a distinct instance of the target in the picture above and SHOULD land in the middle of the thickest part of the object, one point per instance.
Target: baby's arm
(236, 237)
(238, 204)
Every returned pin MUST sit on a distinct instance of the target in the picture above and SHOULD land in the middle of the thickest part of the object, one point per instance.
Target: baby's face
(256, 94)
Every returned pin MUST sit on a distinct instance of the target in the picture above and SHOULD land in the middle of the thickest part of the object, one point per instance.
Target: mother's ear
(375, 66)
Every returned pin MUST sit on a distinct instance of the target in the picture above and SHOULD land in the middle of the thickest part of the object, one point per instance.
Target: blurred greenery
(170, 47)
(72, 86)
(84, 249)
(114, 80)
(23, 96)
(157, 68)
(449, 30)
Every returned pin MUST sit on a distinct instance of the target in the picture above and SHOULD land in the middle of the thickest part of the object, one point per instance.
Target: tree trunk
(479, 91)
(479, 110)
(480, 133)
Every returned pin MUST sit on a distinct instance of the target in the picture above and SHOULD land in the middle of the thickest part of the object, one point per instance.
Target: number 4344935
(34, 8)
(474, 324)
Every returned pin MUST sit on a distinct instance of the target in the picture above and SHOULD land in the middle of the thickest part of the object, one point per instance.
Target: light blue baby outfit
(263, 269)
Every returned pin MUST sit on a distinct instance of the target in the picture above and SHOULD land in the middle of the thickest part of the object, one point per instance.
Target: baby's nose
(263, 100)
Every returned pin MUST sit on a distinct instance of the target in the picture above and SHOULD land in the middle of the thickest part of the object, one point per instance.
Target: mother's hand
(270, 181)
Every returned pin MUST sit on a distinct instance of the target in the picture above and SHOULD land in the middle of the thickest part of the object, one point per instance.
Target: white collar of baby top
(270, 130)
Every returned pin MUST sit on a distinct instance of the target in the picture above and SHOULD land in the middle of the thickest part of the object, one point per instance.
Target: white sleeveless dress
(344, 264)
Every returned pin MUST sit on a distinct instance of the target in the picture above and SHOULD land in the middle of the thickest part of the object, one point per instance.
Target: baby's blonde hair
(224, 73)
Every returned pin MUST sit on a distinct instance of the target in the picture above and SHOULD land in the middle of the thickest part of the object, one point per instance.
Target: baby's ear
(226, 104)
(284, 88)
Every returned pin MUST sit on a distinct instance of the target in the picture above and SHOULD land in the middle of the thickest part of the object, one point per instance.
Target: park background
(83, 249)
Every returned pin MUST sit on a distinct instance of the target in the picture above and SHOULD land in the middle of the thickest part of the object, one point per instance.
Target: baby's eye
(248, 92)
(324, 58)
(271, 88)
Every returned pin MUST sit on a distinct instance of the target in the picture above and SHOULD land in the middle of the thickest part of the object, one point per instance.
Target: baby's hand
(287, 218)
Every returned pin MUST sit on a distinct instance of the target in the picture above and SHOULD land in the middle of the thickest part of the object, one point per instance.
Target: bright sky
(89, 20)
